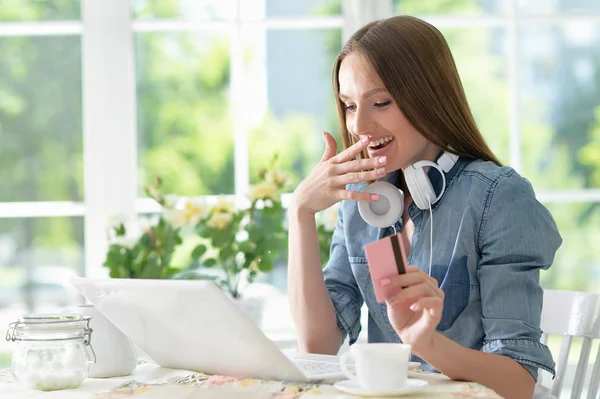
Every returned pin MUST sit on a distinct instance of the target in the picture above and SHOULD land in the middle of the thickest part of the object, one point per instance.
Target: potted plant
(243, 241)
(144, 248)
(236, 242)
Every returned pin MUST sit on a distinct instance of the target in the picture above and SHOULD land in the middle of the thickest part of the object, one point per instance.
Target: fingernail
(386, 281)
(391, 298)
(382, 160)
(381, 171)
(365, 139)
(413, 307)
(375, 197)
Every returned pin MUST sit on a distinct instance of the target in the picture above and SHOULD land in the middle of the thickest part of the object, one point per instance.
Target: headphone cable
(430, 234)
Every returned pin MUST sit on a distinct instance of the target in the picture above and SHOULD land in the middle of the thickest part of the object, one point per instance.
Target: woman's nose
(363, 124)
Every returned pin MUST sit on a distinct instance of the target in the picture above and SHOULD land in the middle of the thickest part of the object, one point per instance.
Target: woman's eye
(383, 104)
(350, 107)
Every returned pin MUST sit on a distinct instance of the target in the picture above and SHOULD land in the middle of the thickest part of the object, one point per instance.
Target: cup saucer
(413, 365)
(352, 387)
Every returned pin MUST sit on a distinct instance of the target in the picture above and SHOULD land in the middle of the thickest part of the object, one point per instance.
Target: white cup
(115, 354)
(379, 366)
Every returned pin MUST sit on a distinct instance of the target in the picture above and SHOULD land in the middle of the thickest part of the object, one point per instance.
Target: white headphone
(388, 209)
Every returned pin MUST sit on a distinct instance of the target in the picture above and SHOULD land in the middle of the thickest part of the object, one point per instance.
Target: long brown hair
(413, 60)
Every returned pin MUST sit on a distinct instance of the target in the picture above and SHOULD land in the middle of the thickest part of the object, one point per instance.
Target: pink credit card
(386, 258)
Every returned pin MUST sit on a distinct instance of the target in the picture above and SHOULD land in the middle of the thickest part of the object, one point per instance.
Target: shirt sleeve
(341, 285)
(517, 238)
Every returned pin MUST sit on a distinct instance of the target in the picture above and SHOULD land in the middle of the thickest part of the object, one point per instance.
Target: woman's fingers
(358, 177)
(326, 184)
(359, 165)
(413, 276)
(432, 305)
(356, 171)
(330, 147)
(412, 293)
(430, 280)
(402, 280)
(352, 195)
(351, 152)
(414, 269)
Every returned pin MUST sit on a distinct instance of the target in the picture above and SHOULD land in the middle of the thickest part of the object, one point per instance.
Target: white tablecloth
(150, 381)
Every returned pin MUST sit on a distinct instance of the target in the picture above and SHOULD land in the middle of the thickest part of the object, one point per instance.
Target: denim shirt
(491, 237)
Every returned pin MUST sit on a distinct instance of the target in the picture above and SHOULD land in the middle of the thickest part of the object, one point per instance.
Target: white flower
(188, 212)
(116, 220)
(172, 201)
(194, 209)
(146, 224)
(133, 231)
(223, 206)
(264, 190)
(175, 217)
(219, 220)
(329, 217)
(124, 241)
(278, 177)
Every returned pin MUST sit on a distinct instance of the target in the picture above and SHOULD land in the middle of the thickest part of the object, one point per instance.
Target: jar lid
(43, 318)
(50, 327)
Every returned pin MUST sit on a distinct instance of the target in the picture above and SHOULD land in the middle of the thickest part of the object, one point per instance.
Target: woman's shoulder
(509, 208)
(507, 197)
(497, 177)
(487, 170)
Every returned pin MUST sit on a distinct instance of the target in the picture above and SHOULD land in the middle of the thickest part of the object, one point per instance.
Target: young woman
(475, 314)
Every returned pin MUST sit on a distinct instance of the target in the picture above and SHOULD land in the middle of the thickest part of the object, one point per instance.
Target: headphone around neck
(388, 209)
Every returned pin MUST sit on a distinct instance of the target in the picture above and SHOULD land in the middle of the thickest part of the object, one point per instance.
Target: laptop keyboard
(312, 368)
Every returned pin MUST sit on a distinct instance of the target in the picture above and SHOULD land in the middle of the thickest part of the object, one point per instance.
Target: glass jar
(52, 351)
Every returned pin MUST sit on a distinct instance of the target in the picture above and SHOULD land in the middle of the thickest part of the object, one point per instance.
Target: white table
(150, 381)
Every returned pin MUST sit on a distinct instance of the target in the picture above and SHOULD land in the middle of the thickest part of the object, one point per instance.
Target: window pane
(288, 96)
(36, 10)
(185, 131)
(452, 7)
(558, 6)
(480, 56)
(40, 119)
(37, 259)
(577, 263)
(560, 104)
(260, 9)
(197, 10)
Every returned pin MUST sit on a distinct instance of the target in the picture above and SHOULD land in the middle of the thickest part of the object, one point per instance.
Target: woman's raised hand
(326, 183)
(416, 310)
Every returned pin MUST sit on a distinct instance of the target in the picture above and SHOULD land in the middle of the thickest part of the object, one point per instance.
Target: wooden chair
(573, 314)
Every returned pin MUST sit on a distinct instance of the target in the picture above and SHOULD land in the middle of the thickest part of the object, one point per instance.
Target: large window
(41, 169)
(97, 98)
(185, 129)
(220, 90)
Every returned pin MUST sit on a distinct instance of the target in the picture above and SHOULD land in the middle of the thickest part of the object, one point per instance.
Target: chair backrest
(573, 314)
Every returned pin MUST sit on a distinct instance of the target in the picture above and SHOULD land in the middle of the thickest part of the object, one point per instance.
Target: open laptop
(193, 325)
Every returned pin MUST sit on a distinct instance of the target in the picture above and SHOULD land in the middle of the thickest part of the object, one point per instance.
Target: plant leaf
(199, 251)
(210, 262)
